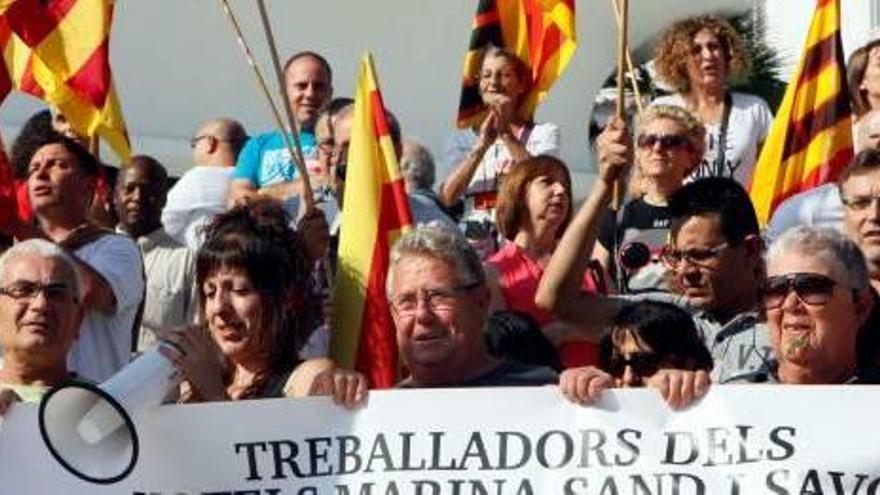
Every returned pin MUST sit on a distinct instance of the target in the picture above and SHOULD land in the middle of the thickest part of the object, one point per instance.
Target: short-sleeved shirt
(749, 124)
(740, 347)
(644, 223)
(265, 159)
(104, 343)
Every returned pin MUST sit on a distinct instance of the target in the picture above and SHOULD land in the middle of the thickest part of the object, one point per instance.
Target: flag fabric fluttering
(59, 52)
(540, 32)
(810, 141)
(376, 213)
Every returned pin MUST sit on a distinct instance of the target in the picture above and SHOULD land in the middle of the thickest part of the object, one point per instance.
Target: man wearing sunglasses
(40, 314)
(816, 298)
(714, 256)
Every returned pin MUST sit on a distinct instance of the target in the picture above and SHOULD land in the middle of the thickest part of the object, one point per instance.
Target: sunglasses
(666, 141)
(812, 289)
(643, 364)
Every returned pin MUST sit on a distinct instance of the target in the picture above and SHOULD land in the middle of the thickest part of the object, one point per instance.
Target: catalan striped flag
(59, 51)
(810, 141)
(376, 213)
(540, 32)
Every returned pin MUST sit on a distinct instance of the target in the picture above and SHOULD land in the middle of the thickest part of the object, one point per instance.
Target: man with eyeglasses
(40, 314)
(201, 191)
(714, 256)
(440, 305)
(816, 298)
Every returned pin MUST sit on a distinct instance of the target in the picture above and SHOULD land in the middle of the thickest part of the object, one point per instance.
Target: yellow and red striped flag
(376, 213)
(59, 52)
(810, 141)
(541, 32)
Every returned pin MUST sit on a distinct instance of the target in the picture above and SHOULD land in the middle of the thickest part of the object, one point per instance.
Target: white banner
(737, 440)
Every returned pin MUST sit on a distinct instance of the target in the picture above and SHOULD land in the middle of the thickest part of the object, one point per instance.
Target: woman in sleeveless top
(534, 207)
(253, 277)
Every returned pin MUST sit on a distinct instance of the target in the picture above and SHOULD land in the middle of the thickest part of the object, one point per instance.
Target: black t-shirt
(644, 223)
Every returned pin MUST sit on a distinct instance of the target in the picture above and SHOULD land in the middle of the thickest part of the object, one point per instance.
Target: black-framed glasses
(812, 289)
(643, 364)
(859, 203)
(666, 141)
(438, 299)
(698, 256)
(195, 141)
(28, 291)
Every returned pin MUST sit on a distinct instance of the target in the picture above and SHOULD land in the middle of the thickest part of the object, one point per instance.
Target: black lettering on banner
(638, 481)
(319, 452)
(250, 448)
(505, 448)
(716, 444)
(571, 484)
(744, 446)
(349, 449)
(609, 487)
(476, 449)
(366, 489)
(437, 450)
(678, 484)
(541, 449)
(776, 435)
(380, 452)
(421, 487)
(630, 445)
(284, 452)
(592, 441)
(672, 444)
(407, 453)
(773, 483)
(734, 482)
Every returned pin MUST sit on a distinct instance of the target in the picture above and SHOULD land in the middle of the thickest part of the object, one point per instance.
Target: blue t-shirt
(264, 160)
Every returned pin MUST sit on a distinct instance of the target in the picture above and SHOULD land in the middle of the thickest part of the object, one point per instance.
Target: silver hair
(417, 165)
(439, 242)
(44, 249)
(828, 245)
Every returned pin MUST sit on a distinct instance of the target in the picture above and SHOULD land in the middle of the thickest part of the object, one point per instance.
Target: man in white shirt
(61, 183)
(169, 266)
(202, 191)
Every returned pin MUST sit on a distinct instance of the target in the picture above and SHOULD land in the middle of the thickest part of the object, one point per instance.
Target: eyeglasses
(436, 299)
(666, 141)
(812, 289)
(195, 141)
(27, 291)
(859, 203)
(698, 256)
(643, 364)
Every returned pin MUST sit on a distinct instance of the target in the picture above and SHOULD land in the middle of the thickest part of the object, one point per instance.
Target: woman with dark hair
(479, 157)
(652, 344)
(699, 57)
(253, 277)
(863, 76)
(534, 207)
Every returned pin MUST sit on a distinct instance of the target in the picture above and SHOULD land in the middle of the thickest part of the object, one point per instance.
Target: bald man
(202, 191)
(169, 266)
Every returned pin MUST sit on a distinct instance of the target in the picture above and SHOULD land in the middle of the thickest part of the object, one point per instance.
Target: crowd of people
(504, 281)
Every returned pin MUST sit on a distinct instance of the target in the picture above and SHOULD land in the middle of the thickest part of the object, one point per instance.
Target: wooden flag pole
(308, 197)
(621, 76)
(282, 88)
(629, 61)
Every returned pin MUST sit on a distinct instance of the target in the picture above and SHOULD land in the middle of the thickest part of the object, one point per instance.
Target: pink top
(518, 277)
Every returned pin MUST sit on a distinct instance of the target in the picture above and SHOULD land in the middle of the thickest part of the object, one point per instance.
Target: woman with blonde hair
(700, 57)
(669, 145)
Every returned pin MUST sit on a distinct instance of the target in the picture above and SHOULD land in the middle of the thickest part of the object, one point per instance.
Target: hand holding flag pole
(293, 145)
(622, 14)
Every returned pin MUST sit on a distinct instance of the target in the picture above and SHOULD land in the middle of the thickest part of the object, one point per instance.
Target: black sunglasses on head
(811, 288)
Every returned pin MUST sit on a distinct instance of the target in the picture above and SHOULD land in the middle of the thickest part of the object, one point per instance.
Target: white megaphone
(89, 430)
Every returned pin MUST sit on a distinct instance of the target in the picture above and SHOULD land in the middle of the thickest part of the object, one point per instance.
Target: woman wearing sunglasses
(669, 145)
(651, 344)
(816, 298)
(700, 57)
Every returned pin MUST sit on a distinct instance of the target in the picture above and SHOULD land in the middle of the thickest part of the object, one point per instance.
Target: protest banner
(737, 440)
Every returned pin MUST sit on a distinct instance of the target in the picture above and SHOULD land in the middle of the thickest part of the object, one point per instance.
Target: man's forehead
(863, 180)
(696, 228)
(32, 267)
(305, 68)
